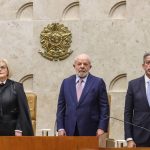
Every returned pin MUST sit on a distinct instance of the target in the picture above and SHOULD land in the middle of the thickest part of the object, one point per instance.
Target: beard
(82, 74)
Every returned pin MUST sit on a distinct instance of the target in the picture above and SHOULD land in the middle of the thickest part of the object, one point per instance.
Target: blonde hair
(7, 65)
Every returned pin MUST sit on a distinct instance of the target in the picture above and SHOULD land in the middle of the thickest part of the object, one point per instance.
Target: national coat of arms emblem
(56, 41)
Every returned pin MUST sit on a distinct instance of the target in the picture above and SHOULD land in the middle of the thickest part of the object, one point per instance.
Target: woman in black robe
(14, 111)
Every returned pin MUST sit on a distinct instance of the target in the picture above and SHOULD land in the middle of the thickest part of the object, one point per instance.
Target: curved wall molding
(71, 12)
(27, 82)
(118, 84)
(118, 11)
(25, 11)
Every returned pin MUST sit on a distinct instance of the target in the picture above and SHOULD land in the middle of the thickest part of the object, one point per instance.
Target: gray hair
(145, 55)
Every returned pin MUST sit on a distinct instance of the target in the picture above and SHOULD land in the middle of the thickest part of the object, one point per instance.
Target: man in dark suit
(137, 109)
(83, 113)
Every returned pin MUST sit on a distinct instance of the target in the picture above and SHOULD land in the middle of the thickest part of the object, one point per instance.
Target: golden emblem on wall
(56, 41)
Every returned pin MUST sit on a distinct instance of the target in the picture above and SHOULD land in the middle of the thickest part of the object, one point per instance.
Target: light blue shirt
(146, 81)
(84, 80)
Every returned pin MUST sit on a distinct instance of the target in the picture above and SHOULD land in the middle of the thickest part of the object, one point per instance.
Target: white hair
(83, 56)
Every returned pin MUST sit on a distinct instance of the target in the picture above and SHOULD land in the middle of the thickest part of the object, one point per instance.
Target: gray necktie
(148, 92)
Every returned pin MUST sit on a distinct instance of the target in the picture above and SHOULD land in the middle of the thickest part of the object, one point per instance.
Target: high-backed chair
(32, 102)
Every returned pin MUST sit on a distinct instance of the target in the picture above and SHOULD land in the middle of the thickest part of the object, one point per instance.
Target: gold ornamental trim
(56, 41)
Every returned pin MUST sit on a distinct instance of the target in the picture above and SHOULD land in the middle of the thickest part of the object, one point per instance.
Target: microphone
(129, 123)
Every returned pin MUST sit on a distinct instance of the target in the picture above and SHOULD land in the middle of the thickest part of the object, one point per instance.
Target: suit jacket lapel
(143, 90)
(73, 89)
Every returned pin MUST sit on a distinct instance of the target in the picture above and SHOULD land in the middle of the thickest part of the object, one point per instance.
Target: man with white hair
(83, 107)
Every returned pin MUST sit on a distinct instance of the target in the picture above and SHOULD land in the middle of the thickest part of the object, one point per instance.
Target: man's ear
(74, 65)
(143, 66)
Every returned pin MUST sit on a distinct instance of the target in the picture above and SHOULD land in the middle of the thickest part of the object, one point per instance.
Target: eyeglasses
(3, 67)
(147, 62)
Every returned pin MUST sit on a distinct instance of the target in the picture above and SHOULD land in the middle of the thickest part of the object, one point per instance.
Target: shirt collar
(84, 79)
(146, 78)
(3, 82)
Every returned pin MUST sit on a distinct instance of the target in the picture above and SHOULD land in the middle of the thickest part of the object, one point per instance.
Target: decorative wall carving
(118, 11)
(71, 12)
(25, 11)
(56, 41)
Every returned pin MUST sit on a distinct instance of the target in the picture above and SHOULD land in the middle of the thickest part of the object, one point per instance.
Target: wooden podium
(47, 143)
(124, 148)
(54, 143)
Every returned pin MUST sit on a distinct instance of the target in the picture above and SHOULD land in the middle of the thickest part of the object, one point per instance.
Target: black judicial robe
(14, 110)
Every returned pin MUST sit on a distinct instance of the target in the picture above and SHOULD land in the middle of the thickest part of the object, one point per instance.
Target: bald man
(83, 107)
